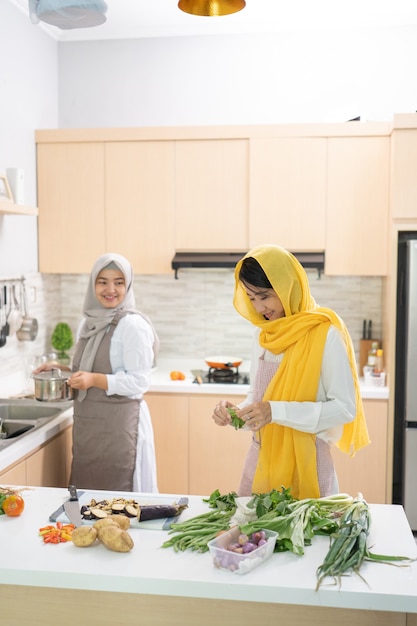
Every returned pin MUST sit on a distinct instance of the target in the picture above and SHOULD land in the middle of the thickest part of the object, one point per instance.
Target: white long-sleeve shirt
(335, 403)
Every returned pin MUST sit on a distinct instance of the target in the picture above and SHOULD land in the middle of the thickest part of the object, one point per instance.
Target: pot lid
(53, 374)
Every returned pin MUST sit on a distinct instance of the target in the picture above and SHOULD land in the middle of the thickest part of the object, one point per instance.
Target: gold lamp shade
(211, 7)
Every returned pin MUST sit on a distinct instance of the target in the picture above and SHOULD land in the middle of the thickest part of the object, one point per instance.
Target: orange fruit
(13, 505)
(177, 375)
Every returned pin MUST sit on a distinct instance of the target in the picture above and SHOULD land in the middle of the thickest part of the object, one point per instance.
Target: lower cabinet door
(366, 472)
(217, 454)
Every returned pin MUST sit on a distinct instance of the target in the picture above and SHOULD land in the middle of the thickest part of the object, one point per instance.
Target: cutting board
(85, 498)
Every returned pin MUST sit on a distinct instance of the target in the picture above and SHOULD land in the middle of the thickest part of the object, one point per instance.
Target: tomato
(177, 376)
(13, 505)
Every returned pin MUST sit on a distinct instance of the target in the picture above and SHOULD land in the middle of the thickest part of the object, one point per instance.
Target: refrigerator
(405, 412)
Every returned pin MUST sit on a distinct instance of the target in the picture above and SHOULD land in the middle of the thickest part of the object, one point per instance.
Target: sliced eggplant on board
(132, 509)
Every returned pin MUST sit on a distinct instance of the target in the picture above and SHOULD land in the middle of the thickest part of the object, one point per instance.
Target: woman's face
(265, 302)
(110, 288)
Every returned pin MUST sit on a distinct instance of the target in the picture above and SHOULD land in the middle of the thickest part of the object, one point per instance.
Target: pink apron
(325, 467)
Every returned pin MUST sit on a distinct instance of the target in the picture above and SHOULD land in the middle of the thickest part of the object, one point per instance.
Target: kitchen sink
(13, 412)
(10, 429)
(21, 416)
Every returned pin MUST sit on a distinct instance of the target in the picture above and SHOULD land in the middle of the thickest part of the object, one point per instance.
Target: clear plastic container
(235, 562)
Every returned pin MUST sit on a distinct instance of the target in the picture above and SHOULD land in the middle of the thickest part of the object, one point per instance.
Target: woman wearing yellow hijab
(304, 394)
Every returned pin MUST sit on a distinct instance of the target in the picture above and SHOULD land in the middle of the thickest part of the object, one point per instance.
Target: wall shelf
(10, 208)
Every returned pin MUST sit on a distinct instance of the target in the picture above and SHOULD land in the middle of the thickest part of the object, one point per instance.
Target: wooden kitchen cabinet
(211, 195)
(139, 203)
(71, 206)
(404, 174)
(357, 206)
(96, 196)
(287, 202)
(16, 475)
(169, 414)
(193, 455)
(366, 472)
(48, 466)
(217, 454)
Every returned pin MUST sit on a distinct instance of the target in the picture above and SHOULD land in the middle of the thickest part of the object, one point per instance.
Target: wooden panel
(357, 206)
(20, 604)
(71, 206)
(15, 475)
(404, 174)
(217, 454)
(47, 467)
(211, 195)
(169, 414)
(288, 192)
(366, 472)
(139, 197)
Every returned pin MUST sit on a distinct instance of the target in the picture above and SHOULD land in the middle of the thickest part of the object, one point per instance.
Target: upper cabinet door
(211, 195)
(139, 199)
(357, 206)
(404, 174)
(287, 203)
(71, 201)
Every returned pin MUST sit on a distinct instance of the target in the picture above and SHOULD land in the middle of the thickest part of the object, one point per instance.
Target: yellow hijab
(287, 456)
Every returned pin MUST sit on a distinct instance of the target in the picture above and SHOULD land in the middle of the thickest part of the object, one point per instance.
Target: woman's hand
(256, 415)
(47, 367)
(220, 413)
(85, 380)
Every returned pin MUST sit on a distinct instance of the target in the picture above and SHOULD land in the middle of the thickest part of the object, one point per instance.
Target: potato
(84, 536)
(104, 523)
(121, 520)
(116, 539)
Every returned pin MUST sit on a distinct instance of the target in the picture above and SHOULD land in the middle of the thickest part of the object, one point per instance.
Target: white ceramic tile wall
(193, 315)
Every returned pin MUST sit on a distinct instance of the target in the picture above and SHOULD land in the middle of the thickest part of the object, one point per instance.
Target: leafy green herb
(2, 499)
(236, 421)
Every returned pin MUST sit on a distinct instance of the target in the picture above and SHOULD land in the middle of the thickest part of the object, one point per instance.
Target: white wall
(28, 100)
(239, 79)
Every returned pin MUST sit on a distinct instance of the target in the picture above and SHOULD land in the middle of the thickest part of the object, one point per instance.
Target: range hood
(314, 260)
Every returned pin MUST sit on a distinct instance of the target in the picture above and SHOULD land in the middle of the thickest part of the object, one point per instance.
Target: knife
(72, 507)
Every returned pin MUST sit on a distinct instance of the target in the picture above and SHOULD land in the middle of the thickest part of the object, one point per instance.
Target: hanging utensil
(15, 316)
(3, 336)
(6, 299)
(29, 327)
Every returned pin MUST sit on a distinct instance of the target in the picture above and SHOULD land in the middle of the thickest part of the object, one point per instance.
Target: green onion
(348, 546)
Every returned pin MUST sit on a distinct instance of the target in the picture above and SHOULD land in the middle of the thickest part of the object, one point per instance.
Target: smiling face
(265, 302)
(110, 288)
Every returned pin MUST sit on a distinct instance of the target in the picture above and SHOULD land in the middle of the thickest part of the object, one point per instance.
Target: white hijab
(97, 318)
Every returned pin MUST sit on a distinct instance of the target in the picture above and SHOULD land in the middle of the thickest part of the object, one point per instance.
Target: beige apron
(325, 467)
(105, 431)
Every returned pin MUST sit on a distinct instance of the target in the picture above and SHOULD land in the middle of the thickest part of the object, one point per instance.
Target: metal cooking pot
(52, 386)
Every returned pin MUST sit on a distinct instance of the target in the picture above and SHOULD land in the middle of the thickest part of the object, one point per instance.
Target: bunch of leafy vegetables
(345, 519)
(296, 521)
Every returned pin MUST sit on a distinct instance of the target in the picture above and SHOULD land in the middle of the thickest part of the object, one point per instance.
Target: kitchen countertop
(148, 569)
(161, 381)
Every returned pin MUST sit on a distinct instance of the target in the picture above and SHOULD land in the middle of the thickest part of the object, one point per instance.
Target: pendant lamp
(68, 14)
(211, 7)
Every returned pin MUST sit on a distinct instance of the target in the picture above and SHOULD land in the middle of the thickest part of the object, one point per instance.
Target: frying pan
(223, 362)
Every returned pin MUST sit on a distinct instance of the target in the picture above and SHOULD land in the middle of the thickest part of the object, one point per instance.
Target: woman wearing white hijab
(113, 445)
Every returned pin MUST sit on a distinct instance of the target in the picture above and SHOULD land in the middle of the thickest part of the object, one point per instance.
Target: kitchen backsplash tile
(193, 315)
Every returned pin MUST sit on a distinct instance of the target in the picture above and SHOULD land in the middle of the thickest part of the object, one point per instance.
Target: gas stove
(225, 375)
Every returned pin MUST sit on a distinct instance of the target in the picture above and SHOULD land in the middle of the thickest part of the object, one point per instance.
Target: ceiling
(128, 19)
